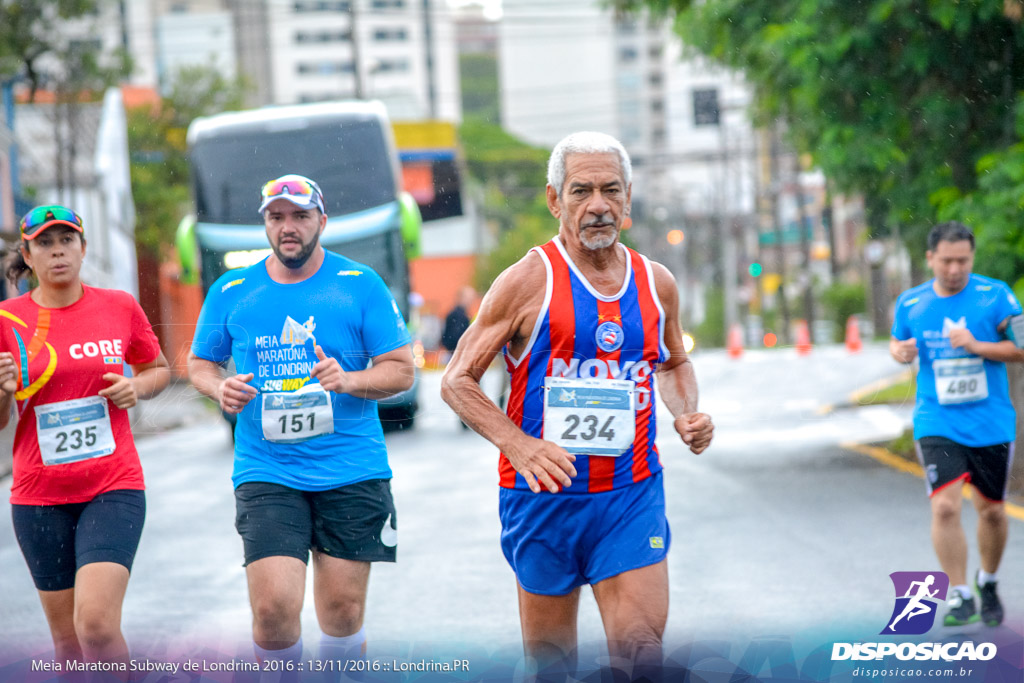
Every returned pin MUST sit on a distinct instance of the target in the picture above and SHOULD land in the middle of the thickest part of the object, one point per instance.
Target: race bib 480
(960, 380)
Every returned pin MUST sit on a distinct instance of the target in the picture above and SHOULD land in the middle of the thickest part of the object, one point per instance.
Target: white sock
(343, 647)
(964, 591)
(288, 654)
(984, 577)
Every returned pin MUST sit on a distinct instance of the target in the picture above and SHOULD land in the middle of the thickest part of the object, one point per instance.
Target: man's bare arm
(676, 378)
(232, 393)
(508, 312)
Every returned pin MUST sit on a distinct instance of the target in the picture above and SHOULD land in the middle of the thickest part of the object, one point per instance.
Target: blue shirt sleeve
(212, 341)
(900, 328)
(1007, 304)
(383, 327)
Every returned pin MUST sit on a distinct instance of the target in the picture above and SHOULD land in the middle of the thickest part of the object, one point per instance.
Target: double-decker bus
(348, 149)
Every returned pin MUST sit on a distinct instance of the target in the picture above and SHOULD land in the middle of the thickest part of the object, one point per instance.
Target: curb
(856, 397)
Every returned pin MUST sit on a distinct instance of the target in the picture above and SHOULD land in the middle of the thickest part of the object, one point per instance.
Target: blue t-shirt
(270, 329)
(960, 396)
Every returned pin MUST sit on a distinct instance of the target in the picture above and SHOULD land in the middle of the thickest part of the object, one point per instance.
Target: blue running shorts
(557, 542)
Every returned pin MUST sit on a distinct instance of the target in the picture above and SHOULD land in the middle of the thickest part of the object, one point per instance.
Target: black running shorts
(987, 468)
(57, 540)
(353, 522)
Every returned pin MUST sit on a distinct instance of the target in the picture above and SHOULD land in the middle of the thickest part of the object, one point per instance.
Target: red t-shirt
(67, 351)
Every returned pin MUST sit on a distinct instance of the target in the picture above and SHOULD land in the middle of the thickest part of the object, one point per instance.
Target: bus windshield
(351, 163)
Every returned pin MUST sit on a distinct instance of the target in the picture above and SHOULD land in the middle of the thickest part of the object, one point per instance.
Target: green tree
(478, 81)
(512, 176)
(994, 210)
(156, 139)
(31, 31)
(897, 100)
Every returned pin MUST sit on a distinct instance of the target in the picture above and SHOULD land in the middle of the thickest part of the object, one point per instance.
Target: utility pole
(428, 45)
(805, 243)
(357, 62)
(725, 227)
(780, 248)
(828, 223)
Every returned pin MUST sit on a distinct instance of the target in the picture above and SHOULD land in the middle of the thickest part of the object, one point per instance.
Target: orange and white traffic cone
(803, 338)
(853, 342)
(734, 344)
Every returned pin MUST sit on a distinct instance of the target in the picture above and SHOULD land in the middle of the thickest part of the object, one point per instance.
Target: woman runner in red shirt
(77, 499)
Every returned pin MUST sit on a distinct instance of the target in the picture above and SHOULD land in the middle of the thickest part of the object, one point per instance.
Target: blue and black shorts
(986, 468)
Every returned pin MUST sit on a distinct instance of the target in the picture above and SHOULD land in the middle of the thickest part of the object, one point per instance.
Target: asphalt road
(777, 530)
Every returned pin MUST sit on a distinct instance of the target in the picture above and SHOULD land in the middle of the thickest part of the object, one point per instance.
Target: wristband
(1015, 330)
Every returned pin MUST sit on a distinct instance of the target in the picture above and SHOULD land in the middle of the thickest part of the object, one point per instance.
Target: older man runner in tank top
(586, 325)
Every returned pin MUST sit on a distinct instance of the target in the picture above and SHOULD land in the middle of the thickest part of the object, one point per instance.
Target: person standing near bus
(77, 499)
(959, 325)
(316, 338)
(586, 325)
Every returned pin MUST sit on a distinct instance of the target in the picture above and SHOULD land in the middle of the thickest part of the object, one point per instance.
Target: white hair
(585, 142)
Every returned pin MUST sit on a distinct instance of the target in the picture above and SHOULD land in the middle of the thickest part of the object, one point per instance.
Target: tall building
(401, 52)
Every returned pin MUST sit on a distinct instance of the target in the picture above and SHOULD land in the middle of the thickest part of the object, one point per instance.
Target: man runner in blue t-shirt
(964, 423)
(311, 470)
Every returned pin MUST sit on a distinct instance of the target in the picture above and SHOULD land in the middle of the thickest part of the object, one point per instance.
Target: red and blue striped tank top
(582, 333)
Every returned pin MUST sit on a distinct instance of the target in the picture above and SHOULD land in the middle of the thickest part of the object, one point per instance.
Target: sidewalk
(178, 405)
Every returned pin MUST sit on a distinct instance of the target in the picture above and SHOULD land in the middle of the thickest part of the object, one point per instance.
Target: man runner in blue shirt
(964, 423)
(316, 338)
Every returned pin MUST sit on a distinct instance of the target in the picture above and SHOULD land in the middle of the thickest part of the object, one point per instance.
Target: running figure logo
(917, 595)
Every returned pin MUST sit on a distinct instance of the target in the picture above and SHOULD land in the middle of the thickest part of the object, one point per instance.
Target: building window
(655, 79)
(322, 97)
(325, 68)
(392, 65)
(630, 134)
(320, 6)
(388, 4)
(628, 54)
(655, 51)
(387, 34)
(657, 106)
(705, 107)
(323, 36)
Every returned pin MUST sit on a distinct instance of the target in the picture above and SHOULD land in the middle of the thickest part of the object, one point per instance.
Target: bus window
(351, 163)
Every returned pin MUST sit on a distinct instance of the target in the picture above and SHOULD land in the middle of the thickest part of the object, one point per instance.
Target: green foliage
(156, 141)
(478, 78)
(994, 211)
(512, 246)
(841, 300)
(29, 32)
(202, 90)
(894, 99)
(512, 176)
(711, 332)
